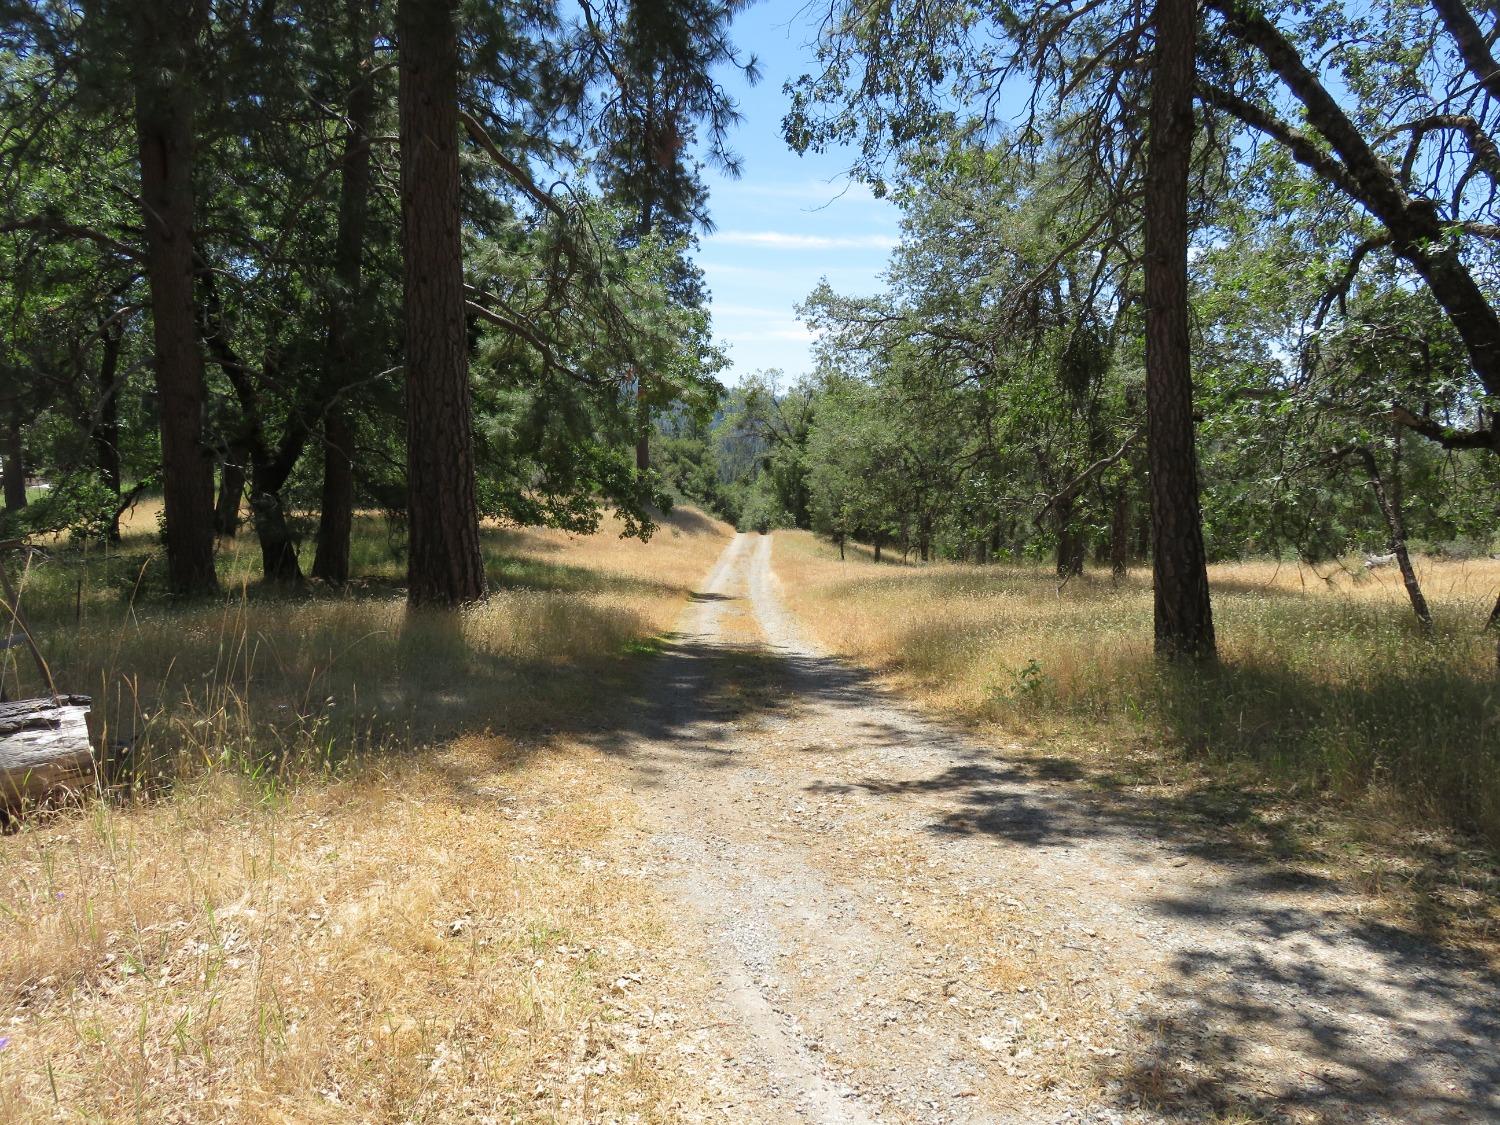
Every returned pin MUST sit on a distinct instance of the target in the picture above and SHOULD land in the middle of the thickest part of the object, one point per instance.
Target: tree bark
(1070, 545)
(1389, 499)
(336, 516)
(346, 315)
(231, 493)
(164, 135)
(15, 461)
(444, 564)
(643, 427)
(1119, 535)
(1183, 615)
(104, 433)
(278, 548)
(1472, 44)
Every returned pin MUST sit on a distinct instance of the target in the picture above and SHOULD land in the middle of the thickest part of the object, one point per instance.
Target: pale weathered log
(45, 750)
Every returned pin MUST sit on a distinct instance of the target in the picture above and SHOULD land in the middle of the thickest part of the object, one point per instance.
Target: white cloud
(788, 330)
(816, 193)
(748, 312)
(785, 240)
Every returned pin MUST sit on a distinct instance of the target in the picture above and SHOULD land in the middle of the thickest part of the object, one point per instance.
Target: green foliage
(78, 503)
(758, 506)
(587, 314)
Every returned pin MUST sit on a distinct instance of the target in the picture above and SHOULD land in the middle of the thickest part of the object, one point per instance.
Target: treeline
(323, 255)
(1176, 282)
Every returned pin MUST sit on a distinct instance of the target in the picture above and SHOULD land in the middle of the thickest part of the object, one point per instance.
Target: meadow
(356, 867)
(1332, 724)
(357, 864)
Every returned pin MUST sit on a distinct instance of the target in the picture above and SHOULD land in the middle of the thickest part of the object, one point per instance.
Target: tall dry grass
(272, 682)
(367, 873)
(1325, 682)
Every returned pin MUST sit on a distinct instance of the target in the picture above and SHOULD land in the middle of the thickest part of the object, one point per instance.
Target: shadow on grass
(1364, 1019)
(1277, 999)
(687, 521)
(1425, 728)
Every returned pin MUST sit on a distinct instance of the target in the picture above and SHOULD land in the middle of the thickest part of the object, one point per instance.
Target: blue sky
(789, 220)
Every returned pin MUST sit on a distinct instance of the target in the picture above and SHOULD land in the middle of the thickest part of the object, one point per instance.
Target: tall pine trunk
(444, 564)
(164, 135)
(1184, 617)
(336, 515)
(346, 321)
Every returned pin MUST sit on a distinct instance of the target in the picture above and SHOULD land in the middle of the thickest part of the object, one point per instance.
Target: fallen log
(45, 750)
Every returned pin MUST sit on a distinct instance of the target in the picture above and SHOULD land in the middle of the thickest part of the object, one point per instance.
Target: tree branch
(1472, 44)
(1446, 436)
(50, 224)
(1076, 485)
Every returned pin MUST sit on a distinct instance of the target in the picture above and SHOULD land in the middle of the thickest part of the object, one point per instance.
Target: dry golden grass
(374, 882)
(259, 675)
(1326, 691)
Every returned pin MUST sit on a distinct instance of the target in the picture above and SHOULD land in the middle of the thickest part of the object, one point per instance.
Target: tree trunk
(269, 467)
(346, 317)
(15, 462)
(278, 550)
(336, 517)
(1070, 545)
(231, 493)
(643, 427)
(45, 749)
(877, 548)
(1119, 535)
(164, 135)
(1389, 500)
(104, 433)
(1183, 615)
(1494, 623)
(444, 564)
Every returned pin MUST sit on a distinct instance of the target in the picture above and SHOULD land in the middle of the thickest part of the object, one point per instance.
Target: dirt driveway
(902, 925)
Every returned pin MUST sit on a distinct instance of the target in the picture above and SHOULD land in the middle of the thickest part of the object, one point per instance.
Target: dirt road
(902, 925)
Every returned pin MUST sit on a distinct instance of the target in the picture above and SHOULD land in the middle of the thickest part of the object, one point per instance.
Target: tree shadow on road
(1280, 999)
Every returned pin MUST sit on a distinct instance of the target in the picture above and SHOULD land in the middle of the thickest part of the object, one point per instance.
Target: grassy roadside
(270, 678)
(1332, 736)
(373, 881)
